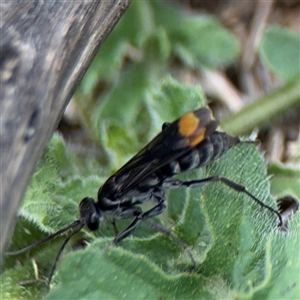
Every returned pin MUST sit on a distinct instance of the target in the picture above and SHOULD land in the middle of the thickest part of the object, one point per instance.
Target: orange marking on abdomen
(188, 124)
(198, 137)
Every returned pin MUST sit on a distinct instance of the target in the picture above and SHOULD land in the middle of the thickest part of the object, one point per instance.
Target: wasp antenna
(79, 225)
(51, 236)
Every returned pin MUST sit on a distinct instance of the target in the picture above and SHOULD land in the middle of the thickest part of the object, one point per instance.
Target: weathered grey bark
(46, 47)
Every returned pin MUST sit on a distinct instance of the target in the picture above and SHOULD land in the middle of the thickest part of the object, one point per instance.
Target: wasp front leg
(140, 216)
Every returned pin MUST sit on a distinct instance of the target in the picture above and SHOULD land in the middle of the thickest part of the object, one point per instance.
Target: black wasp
(188, 143)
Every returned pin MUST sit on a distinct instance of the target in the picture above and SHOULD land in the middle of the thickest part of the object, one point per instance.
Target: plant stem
(258, 113)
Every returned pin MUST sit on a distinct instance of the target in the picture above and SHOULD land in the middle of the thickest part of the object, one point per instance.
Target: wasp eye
(89, 213)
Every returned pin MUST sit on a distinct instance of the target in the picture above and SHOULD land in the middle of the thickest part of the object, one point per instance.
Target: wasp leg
(239, 188)
(146, 217)
(126, 214)
(154, 211)
(114, 225)
(156, 226)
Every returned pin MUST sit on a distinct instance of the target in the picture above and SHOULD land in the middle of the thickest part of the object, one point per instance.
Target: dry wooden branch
(46, 47)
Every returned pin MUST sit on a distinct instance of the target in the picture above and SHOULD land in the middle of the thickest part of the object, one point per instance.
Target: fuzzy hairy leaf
(235, 256)
(121, 275)
(231, 238)
(238, 252)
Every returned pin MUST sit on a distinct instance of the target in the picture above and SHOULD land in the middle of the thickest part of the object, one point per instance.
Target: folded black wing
(175, 139)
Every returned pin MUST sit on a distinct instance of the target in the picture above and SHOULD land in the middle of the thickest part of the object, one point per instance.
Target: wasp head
(89, 213)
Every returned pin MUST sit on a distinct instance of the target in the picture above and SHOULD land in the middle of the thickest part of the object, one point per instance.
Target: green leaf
(282, 265)
(118, 274)
(229, 235)
(238, 225)
(123, 98)
(126, 39)
(280, 52)
(106, 65)
(199, 39)
(233, 258)
(157, 49)
(284, 181)
(56, 188)
(211, 45)
(150, 40)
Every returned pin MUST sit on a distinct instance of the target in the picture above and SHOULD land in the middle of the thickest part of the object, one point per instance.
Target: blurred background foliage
(161, 60)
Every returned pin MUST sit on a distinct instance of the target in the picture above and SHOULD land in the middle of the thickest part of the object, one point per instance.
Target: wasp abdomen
(222, 142)
(211, 148)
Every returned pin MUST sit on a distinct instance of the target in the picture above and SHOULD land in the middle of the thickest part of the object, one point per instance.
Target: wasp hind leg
(175, 183)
